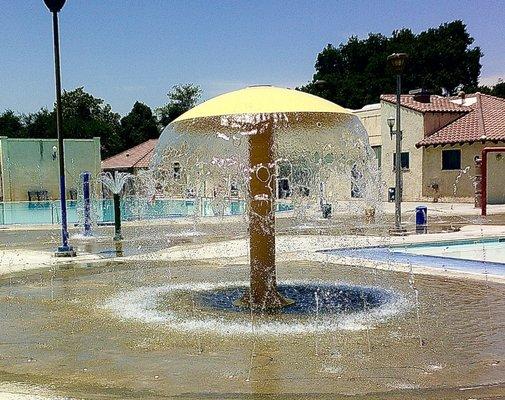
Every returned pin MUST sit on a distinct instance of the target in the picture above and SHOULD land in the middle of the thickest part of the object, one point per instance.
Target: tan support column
(263, 286)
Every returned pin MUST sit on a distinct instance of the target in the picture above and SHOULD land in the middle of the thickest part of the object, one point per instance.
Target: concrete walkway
(308, 247)
(17, 260)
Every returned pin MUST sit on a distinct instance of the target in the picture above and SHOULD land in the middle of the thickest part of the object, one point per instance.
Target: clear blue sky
(127, 50)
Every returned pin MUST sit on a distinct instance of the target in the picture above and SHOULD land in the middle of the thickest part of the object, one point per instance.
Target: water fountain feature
(86, 197)
(247, 137)
(115, 183)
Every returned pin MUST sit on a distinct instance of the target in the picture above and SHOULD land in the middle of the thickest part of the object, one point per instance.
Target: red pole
(483, 208)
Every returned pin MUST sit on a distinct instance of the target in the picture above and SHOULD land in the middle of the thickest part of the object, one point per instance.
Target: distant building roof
(368, 107)
(436, 104)
(137, 157)
(485, 122)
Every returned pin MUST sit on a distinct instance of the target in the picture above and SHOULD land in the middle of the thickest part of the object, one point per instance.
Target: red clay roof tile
(436, 104)
(486, 122)
(136, 157)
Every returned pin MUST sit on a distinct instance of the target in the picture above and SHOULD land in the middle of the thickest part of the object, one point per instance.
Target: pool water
(486, 256)
(132, 208)
(480, 251)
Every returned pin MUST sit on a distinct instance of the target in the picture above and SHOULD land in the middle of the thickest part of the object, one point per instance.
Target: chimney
(462, 96)
(421, 95)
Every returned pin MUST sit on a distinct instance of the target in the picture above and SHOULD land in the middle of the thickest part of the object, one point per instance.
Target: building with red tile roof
(131, 160)
(435, 103)
(442, 136)
(485, 122)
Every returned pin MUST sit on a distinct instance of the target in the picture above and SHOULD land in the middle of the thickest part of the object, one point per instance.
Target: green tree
(139, 125)
(498, 90)
(181, 99)
(41, 124)
(85, 117)
(10, 124)
(356, 73)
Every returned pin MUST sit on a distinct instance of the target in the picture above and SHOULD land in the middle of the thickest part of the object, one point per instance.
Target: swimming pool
(132, 208)
(491, 250)
(485, 256)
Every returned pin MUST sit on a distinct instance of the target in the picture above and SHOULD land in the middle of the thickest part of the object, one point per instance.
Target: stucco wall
(496, 177)
(459, 184)
(413, 132)
(27, 164)
(371, 120)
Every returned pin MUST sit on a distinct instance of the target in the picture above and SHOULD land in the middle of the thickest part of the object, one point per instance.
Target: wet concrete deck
(57, 338)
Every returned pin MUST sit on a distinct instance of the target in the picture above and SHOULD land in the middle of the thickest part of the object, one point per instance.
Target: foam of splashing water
(114, 182)
(83, 237)
(142, 304)
(185, 234)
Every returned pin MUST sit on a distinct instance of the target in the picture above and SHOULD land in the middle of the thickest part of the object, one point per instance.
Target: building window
(283, 189)
(451, 160)
(177, 171)
(356, 182)
(378, 153)
(405, 160)
(233, 190)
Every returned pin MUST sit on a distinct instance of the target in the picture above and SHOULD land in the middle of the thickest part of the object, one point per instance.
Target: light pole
(397, 63)
(65, 250)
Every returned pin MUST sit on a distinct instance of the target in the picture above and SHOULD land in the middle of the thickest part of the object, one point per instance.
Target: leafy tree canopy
(356, 73)
(10, 123)
(181, 99)
(84, 117)
(139, 125)
(497, 90)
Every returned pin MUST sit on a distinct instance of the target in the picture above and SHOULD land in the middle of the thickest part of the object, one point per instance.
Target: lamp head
(391, 124)
(54, 5)
(397, 62)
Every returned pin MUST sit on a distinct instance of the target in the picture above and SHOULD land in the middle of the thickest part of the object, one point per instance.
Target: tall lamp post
(397, 63)
(65, 250)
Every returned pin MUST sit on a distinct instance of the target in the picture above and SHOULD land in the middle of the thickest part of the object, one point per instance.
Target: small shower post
(87, 203)
(115, 183)
(117, 217)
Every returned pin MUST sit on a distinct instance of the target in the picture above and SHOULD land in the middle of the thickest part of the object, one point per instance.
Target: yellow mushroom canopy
(262, 100)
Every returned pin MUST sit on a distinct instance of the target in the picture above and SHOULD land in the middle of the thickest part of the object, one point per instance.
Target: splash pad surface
(208, 307)
(63, 321)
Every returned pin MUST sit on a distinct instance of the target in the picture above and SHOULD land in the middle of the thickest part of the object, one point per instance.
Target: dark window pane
(404, 160)
(451, 159)
(283, 188)
(356, 182)
(177, 170)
